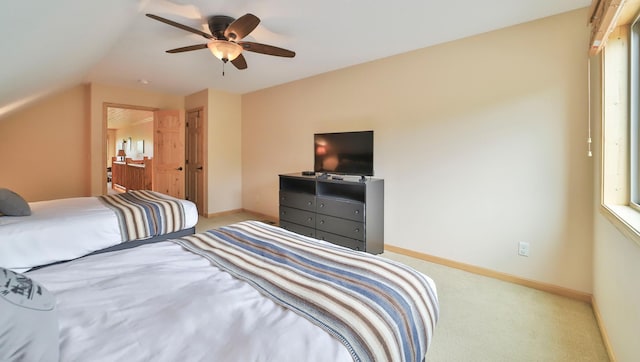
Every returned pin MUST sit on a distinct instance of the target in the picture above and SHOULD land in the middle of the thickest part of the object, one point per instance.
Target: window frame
(616, 136)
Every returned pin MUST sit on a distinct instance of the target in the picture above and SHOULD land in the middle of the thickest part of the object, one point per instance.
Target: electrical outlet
(523, 248)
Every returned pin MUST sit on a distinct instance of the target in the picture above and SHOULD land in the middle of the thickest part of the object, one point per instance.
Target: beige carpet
(205, 224)
(484, 319)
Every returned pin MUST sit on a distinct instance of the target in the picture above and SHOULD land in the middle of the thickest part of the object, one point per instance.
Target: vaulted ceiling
(49, 45)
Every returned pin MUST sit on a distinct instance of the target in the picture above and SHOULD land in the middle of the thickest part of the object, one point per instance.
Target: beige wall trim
(603, 330)
(565, 292)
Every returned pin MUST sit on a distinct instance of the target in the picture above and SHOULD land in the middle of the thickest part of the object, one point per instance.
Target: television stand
(344, 212)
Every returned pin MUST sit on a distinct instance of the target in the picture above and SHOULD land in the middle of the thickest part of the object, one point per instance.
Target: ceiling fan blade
(188, 48)
(241, 27)
(266, 49)
(180, 26)
(240, 62)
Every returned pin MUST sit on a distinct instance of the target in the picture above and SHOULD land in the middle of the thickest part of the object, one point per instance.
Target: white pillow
(28, 320)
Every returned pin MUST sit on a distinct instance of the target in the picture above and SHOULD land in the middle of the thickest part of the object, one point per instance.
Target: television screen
(345, 153)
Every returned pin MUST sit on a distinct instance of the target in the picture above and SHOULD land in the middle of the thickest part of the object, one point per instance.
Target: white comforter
(63, 229)
(159, 302)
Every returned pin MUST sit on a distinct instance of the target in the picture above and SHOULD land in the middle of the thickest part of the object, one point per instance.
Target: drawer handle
(309, 218)
(309, 203)
(357, 230)
(321, 205)
(356, 212)
(322, 221)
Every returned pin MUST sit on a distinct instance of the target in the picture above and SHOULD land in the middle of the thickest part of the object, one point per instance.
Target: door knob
(199, 168)
(179, 168)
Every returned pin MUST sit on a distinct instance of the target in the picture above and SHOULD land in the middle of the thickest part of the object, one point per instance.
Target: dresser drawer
(298, 229)
(298, 200)
(344, 227)
(341, 240)
(297, 216)
(352, 210)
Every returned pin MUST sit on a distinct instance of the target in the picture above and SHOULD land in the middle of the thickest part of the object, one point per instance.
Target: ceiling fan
(225, 39)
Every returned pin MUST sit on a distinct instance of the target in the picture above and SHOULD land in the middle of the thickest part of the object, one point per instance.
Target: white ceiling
(124, 117)
(48, 45)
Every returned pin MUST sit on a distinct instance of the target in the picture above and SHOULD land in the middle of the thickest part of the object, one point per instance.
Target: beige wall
(70, 125)
(79, 133)
(481, 143)
(224, 152)
(222, 112)
(615, 278)
(48, 143)
(137, 132)
(101, 94)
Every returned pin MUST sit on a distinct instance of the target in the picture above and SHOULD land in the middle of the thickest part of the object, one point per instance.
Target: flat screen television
(344, 153)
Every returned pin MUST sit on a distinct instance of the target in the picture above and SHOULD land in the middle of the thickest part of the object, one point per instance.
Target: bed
(244, 292)
(65, 229)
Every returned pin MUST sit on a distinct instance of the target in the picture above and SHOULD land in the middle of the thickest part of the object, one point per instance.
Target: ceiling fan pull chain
(223, 69)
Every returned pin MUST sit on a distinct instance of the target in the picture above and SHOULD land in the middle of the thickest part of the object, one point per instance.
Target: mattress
(159, 302)
(63, 229)
(168, 302)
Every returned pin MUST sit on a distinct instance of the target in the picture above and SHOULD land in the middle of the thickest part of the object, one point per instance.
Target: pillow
(28, 320)
(12, 204)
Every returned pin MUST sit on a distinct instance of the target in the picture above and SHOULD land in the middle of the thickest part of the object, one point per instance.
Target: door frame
(105, 124)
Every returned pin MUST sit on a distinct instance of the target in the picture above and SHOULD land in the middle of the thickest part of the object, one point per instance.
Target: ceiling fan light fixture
(224, 50)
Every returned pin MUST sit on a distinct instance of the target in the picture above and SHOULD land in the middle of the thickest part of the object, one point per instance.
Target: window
(621, 129)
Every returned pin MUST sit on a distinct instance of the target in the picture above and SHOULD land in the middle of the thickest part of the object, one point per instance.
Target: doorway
(154, 138)
(130, 139)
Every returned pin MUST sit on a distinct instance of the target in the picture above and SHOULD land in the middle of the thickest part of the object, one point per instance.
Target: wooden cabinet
(345, 212)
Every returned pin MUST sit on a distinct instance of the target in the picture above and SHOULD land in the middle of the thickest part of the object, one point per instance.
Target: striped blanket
(379, 309)
(143, 214)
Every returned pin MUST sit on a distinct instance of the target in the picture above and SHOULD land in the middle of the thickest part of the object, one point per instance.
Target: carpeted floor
(205, 224)
(484, 319)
